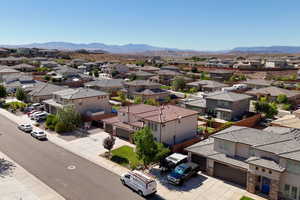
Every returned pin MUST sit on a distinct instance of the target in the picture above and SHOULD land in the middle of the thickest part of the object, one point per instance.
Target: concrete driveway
(200, 187)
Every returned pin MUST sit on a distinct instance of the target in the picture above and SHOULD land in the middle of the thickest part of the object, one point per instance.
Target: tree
(21, 94)
(193, 90)
(146, 148)
(96, 73)
(263, 106)
(69, 117)
(151, 102)
(178, 83)
(108, 143)
(194, 69)
(3, 92)
(122, 97)
(138, 99)
(282, 98)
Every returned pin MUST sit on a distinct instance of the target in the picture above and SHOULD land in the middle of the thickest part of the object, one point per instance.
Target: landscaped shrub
(60, 127)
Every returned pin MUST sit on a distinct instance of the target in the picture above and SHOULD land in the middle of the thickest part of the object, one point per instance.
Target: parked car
(183, 172)
(170, 162)
(31, 112)
(39, 134)
(25, 127)
(40, 116)
(32, 116)
(143, 184)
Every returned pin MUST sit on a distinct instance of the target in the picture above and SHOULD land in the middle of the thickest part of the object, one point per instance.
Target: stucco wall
(242, 150)
(224, 146)
(186, 129)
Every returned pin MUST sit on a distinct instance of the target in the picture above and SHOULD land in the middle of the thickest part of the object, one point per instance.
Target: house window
(257, 168)
(263, 170)
(286, 190)
(270, 172)
(294, 192)
(80, 103)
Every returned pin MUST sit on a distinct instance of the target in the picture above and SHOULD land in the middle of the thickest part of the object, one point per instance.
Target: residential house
(119, 68)
(24, 67)
(150, 69)
(227, 105)
(169, 124)
(10, 61)
(273, 92)
(111, 86)
(4, 52)
(257, 83)
(220, 75)
(90, 103)
(43, 91)
(276, 64)
(145, 89)
(206, 85)
(49, 64)
(6, 70)
(141, 75)
(165, 77)
(263, 161)
(20, 80)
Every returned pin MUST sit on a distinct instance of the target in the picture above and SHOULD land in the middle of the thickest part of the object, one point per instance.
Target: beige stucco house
(263, 161)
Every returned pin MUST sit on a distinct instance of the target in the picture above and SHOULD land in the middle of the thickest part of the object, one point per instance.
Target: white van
(140, 182)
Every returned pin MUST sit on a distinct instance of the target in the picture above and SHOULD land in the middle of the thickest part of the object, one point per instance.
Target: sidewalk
(18, 184)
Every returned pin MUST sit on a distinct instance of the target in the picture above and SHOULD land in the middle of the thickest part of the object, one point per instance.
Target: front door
(265, 185)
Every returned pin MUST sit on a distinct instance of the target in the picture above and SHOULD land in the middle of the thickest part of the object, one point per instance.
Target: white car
(143, 184)
(32, 116)
(38, 134)
(25, 127)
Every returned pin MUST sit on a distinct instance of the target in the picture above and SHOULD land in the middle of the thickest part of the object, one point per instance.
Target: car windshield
(179, 170)
(28, 125)
(40, 133)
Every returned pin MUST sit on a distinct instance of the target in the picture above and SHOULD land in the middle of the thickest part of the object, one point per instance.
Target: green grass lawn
(246, 198)
(125, 156)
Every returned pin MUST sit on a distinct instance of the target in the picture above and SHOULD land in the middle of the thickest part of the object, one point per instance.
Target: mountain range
(140, 48)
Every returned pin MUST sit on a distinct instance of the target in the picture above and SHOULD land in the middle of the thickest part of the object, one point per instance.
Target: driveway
(200, 187)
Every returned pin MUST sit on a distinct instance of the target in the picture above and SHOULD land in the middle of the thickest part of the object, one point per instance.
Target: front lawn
(125, 156)
(246, 198)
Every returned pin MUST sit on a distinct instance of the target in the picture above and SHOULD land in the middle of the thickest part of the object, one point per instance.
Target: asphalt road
(50, 163)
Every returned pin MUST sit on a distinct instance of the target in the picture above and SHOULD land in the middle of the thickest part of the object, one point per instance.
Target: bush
(60, 127)
(51, 122)
(286, 106)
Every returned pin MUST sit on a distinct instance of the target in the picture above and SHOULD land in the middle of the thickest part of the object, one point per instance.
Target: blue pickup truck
(183, 172)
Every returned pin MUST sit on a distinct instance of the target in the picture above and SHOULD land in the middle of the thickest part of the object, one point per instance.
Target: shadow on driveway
(6, 168)
(192, 183)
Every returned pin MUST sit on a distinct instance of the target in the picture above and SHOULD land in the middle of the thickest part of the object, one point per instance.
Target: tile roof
(106, 83)
(79, 93)
(45, 89)
(228, 96)
(262, 162)
(273, 91)
(261, 82)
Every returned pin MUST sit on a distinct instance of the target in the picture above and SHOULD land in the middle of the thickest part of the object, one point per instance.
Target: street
(71, 176)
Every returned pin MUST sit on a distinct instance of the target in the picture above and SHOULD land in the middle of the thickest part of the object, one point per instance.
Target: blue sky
(186, 24)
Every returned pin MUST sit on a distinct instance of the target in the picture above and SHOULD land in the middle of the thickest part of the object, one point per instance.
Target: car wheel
(123, 182)
(140, 193)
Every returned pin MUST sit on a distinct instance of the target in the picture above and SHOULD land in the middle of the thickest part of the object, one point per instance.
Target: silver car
(38, 134)
(25, 127)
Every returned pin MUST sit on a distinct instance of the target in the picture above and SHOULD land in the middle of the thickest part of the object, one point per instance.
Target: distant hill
(271, 49)
(128, 48)
(152, 50)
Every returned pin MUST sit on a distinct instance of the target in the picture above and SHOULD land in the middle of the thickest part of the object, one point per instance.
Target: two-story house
(145, 89)
(227, 105)
(169, 124)
(263, 161)
(91, 104)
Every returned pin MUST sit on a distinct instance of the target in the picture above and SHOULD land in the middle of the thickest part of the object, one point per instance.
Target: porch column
(210, 167)
(274, 190)
(251, 182)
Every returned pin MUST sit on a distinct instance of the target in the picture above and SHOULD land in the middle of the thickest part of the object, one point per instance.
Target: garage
(108, 128)
(199, 160)
(123, 134)
(230, 174)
